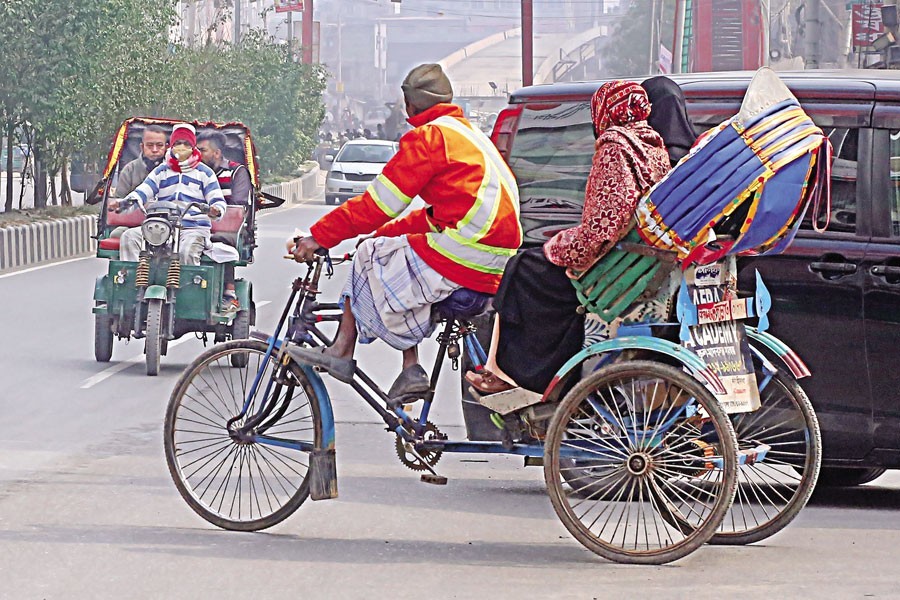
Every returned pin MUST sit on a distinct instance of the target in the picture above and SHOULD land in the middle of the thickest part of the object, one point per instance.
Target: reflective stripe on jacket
(471, 225)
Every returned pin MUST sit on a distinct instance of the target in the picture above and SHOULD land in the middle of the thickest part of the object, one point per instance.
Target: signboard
(288, 5)
(720, 340)
(866, 23)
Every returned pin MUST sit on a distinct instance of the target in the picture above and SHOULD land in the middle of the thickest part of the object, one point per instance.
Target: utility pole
(307, 31)
(237, 22)
(812, 31)
(678, 41)
(654, 38)
(527, 42)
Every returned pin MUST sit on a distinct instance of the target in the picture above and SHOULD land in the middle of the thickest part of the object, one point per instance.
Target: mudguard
(155, 292)
(323, 464)
(693, 363)
(244, 291)
(100, 289)
(790, 358)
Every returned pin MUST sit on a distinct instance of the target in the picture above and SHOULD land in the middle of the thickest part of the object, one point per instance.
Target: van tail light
(505, 129)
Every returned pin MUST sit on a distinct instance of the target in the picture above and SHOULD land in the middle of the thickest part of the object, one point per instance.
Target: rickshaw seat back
(752, 178)
(131, 218)
(461, 304)
(631, 272)
(227, 229)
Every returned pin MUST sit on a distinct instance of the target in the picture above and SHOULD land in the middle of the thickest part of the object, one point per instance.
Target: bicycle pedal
(433, 479)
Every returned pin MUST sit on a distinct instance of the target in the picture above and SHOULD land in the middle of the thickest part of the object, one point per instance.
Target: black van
(836, 294)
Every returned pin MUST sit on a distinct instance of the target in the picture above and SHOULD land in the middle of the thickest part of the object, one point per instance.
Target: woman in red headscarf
(538, 325)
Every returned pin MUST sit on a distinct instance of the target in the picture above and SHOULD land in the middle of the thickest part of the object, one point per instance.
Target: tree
(628, 51)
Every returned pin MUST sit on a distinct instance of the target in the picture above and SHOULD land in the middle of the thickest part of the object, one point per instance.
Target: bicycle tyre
(671, 455)
(284, 479)
(771, 493)
(240, 330)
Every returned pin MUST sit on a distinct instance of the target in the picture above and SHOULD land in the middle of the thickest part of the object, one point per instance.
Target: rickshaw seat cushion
(461, 304)
(132, 218)
(629, 273)
(111, 243)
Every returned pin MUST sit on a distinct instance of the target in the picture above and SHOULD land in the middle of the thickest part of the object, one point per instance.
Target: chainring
(410, 460)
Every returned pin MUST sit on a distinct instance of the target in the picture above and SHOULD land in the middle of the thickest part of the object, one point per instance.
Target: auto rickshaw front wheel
(153, 339)
(103, 337)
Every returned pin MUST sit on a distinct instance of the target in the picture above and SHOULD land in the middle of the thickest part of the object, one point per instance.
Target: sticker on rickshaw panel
(719, 339)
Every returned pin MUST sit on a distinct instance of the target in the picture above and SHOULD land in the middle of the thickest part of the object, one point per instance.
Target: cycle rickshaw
(156, 298)
(641, 460)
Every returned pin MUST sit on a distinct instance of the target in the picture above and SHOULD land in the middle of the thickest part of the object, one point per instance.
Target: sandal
(488, 383)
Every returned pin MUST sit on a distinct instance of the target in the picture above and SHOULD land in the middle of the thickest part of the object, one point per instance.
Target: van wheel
(103, 338)
(838, 477)
(330, 201)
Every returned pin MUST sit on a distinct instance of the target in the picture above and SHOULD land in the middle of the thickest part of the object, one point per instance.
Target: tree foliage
(71, 72)
(628, 51)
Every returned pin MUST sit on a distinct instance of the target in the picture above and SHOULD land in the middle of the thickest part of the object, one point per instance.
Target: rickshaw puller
(463, 238)
(183, 178)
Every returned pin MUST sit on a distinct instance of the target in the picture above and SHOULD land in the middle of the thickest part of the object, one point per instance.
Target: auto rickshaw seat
(131, 218)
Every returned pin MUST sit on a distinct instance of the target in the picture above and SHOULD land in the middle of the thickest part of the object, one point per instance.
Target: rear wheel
(241, 484)
(153, 341)
(240, 330)
(773, 491)
(655, 463)
(103, 337)
(840, 477)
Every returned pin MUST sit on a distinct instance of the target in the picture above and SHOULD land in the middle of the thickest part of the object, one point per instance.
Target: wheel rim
(775, 489)
(657, 488)
(239, 481)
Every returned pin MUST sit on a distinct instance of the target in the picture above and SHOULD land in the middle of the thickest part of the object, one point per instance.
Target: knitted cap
(427, 85)
(183, 132)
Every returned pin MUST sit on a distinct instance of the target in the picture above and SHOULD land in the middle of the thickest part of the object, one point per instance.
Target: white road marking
(107, 373)
(56, 264)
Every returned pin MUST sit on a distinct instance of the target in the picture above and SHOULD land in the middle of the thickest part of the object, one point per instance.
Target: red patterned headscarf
(618, 103)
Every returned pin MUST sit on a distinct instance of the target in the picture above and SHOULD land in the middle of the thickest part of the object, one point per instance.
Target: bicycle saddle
(461, 304)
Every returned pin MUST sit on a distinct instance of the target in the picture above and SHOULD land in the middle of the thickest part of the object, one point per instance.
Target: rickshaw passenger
(234, 179)
(669, 116)
(538, 327)
(181, 178)
(419, 260)
(153, 149)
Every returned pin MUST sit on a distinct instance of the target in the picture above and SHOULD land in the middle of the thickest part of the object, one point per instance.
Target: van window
(844, 167)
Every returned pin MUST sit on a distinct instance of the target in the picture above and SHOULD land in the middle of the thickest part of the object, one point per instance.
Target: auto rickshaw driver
(183, 178)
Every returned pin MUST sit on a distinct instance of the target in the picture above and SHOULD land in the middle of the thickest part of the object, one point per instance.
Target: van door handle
(885, 271)
(831, 267)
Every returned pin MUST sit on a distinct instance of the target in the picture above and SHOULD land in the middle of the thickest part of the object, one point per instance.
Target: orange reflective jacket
(471, 226)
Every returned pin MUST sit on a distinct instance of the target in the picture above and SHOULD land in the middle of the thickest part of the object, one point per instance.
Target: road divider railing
(47, 241)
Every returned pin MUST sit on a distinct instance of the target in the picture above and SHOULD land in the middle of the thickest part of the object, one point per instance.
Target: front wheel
(241, 483)
(652, 458)
(153, 342)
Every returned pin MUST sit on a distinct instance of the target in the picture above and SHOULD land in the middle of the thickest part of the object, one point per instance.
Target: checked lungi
(391, 291)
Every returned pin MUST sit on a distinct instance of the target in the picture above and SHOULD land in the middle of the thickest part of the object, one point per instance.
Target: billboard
(288, 5)
(866, 23)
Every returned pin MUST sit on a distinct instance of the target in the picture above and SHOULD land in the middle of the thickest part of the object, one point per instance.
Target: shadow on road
(866, 496)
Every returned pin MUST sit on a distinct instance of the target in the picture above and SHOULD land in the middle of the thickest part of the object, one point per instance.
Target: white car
(357, 163)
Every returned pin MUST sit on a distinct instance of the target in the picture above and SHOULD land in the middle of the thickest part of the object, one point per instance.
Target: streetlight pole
(307, 29)
(527, 42)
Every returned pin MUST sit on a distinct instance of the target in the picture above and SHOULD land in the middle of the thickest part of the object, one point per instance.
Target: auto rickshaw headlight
(156, 231)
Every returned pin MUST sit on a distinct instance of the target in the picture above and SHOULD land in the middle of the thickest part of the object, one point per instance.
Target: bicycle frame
(307, 313)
